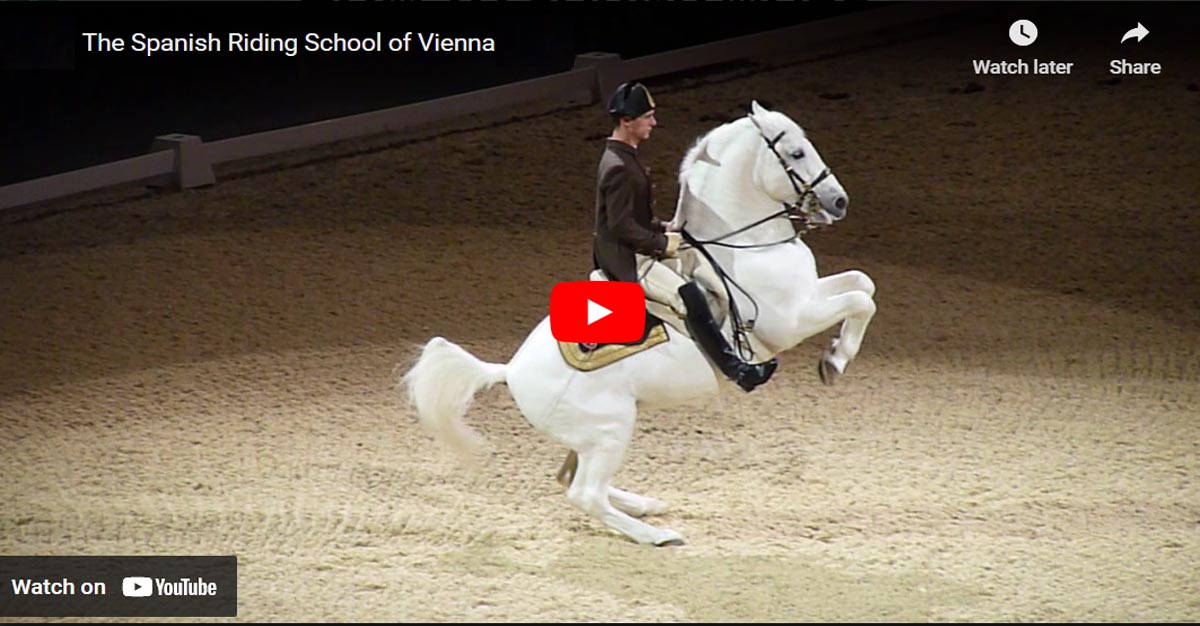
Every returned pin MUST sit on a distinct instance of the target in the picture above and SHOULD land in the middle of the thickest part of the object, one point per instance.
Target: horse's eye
(799, 154)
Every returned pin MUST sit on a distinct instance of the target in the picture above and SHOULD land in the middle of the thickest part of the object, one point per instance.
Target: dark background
(108, 107)
(111, 106)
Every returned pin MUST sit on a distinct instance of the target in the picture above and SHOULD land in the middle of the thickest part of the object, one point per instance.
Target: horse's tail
(441, 386)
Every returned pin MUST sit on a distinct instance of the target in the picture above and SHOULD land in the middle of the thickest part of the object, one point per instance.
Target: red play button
(597, 312)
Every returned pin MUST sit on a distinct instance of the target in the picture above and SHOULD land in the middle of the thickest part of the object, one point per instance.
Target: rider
(629, 240)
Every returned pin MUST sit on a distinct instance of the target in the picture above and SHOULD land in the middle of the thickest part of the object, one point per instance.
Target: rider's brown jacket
(625, 222)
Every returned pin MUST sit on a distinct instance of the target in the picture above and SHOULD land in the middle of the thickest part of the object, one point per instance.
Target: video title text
(378, 42)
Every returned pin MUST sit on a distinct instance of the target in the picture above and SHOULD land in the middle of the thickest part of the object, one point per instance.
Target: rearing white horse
(739, 184)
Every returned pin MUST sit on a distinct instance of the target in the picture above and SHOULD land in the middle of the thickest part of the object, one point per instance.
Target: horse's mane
(693, 152)
(699, 146)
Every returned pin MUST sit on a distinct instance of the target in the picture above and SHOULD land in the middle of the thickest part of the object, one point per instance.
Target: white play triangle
(596, 312)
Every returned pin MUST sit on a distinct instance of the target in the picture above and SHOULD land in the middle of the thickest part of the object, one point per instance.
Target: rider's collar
(621, 145)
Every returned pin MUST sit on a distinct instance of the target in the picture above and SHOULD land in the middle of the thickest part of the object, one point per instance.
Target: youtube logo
(597, 312)
(137, 586)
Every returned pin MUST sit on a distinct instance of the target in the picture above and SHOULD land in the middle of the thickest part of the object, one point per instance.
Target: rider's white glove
(673, 241)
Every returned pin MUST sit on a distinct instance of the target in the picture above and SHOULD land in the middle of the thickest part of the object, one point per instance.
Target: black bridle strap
(803, 189)
(790, 211)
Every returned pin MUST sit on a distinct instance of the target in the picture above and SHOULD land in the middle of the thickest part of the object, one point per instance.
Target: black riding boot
(705, 332)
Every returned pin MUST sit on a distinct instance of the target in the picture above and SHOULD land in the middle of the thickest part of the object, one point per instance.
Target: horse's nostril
(841, 203)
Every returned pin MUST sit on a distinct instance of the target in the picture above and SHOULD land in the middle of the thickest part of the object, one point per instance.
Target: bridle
(803, 190)
(793, 211)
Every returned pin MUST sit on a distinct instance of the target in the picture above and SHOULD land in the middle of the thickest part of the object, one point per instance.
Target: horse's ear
(755, 109)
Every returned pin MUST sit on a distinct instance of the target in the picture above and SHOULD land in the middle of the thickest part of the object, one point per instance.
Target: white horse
(740, 184)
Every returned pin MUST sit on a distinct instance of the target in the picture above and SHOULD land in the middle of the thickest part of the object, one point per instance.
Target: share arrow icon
(1140, 32)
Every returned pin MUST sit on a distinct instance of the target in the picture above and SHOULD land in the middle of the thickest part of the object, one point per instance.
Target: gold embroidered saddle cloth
(586, 357)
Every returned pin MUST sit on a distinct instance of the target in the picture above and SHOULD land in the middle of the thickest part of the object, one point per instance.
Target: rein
(740, 328)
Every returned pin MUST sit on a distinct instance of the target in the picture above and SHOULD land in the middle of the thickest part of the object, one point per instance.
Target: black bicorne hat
(631, 99)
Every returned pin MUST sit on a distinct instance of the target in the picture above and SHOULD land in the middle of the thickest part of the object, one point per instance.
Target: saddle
(587, 357)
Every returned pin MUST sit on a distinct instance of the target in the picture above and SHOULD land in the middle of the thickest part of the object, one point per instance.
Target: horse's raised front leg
(631, 503)
(848, 296)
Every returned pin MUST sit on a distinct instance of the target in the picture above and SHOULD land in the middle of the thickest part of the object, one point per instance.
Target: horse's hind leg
(631, 503)
(590, 491)
(635, 505)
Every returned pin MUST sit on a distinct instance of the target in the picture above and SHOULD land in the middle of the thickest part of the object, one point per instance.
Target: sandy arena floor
(211, 372)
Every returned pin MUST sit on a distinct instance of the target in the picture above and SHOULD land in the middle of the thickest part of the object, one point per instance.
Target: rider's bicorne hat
(631, 99)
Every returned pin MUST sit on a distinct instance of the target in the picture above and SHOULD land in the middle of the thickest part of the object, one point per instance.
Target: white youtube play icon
(596, 312)
(137, 586)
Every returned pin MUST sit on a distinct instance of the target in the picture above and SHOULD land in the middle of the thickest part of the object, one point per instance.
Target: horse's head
(790, 170)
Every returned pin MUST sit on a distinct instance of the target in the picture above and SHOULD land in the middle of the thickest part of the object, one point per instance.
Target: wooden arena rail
(145, 167)
(574, 82)
(183, 161)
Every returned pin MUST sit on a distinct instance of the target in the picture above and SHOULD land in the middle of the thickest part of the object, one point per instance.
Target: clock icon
(1022, 32)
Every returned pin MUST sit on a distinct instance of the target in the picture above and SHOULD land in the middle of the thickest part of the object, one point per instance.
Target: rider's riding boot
(705, 332)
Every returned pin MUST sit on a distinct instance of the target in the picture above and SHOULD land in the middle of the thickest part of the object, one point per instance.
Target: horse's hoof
(668, 538)
(827, 371)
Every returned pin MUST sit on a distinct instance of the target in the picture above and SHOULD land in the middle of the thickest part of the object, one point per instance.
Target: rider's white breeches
(660, 283)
